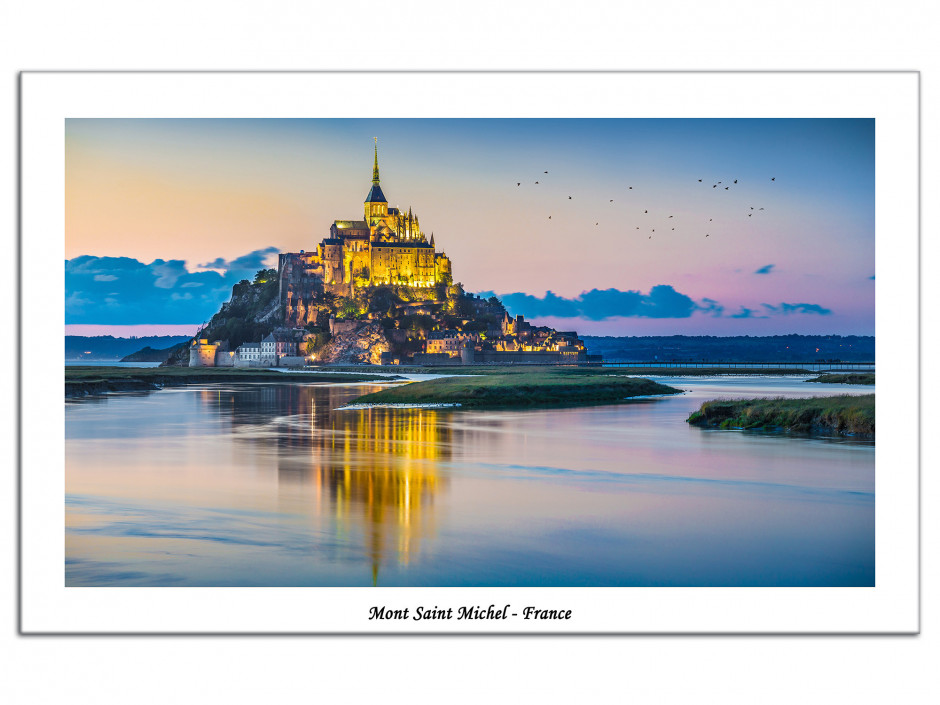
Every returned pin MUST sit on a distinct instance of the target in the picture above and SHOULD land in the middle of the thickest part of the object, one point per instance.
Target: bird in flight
(760, 209)
(726, 188)
(549, 217)
(735, 181)
(536, 182)
(700, 181)
(518, 183)
(706, 234)
(546, 172)
(611, 200)
(569, 198)
(748, 215)
(670, 216)
(709, 220)
(631, 188)
(714, 185)
(596, 223)
(646, 211)
(773, 178)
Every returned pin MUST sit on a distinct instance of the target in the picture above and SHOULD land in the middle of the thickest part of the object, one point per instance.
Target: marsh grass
(844, 414)
(849, 378)
(520, 388)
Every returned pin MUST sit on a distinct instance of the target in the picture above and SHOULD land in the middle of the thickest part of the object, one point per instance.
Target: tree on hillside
(346, 308)
(264, 276)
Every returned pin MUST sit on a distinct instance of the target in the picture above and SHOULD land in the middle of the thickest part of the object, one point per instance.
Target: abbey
(375, 290)
(385, 247)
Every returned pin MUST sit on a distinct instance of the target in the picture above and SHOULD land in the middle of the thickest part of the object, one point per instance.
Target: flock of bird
(716, 185)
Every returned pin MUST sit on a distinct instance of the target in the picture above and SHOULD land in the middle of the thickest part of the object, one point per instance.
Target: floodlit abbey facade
(386, 247)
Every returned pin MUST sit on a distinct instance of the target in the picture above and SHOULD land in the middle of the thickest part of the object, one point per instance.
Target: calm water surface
(108, 363)
(260, 484)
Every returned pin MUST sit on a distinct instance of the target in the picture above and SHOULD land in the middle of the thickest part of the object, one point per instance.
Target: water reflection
(375, 467)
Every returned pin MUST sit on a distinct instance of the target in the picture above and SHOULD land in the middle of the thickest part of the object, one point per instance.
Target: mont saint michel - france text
(470, 612)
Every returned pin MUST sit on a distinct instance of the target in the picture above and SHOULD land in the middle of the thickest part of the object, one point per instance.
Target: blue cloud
(713, 307)
(662, 301)
(122, 290)
(253, 261)
(805, 308)
(746, 312)
(787, 309)
(765, 269)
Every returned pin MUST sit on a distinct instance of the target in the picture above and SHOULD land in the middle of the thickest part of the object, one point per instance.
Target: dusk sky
(163, 216)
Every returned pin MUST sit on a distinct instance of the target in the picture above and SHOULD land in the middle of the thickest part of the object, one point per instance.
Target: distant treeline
(738, 348)
(106, 347)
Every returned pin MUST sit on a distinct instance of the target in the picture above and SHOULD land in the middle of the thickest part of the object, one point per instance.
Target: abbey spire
(376, 205)
(375, 168)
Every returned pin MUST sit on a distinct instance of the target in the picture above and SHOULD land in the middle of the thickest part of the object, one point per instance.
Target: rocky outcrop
(249, 315)
(365, 343)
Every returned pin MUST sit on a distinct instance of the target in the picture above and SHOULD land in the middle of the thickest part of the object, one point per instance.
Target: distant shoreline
(849, 378)
(97, 380)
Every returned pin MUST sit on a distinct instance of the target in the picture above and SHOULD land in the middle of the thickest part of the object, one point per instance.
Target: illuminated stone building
(450, 342)
(386, 247)
(202, 353)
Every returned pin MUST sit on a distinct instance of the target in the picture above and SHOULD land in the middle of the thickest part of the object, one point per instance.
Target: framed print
(457, 353)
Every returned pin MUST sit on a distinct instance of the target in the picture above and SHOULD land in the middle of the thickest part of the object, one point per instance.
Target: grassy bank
(840, 415)
(81, 381)
(850, 378)
(520, 389)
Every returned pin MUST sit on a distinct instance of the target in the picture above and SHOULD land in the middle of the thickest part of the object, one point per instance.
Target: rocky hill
(364, 344)
(250, 315)
(148, 354)
(378, 319)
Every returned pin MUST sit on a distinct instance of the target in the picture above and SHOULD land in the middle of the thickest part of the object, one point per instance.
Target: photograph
(480, 352)
(497, 353)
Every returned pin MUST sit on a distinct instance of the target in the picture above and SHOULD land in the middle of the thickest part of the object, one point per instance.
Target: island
(376, 289)
(525, 388)
(838, 415)
(849, 378)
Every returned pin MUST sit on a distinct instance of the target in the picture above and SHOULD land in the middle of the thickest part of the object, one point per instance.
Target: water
(263, 485)
(108, 363)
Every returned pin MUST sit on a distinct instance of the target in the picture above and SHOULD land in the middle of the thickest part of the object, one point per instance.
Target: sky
(635, 227)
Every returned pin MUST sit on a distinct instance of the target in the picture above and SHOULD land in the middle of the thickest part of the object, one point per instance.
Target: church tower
(376, 205)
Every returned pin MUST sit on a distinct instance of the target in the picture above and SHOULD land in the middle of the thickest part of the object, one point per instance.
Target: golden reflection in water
(379, 467)
(376, 468)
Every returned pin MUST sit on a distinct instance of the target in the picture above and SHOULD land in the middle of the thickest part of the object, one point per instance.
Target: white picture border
(48, 99)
